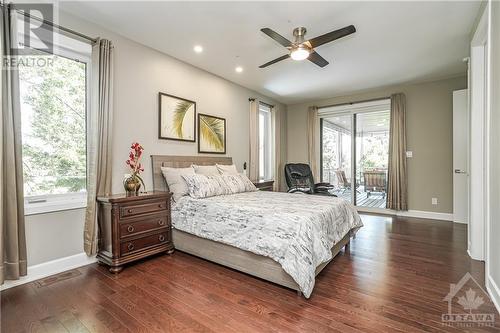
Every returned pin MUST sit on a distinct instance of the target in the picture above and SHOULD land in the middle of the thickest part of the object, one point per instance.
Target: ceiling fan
(302, 49)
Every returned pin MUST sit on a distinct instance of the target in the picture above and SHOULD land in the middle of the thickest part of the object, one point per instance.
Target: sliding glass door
(355, 152)
(336, 154)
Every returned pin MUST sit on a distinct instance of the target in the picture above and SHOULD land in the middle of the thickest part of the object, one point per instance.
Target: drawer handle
(130, 211)
(130, 246)
(130, 228)
(160, 206)
(161, 222)
(161, 238)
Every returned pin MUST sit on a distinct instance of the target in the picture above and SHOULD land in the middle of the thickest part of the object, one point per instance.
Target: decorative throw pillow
(227, 169)
(249, 186)
(176, 184)
(201, 186)
(207, 170)
(234, 184)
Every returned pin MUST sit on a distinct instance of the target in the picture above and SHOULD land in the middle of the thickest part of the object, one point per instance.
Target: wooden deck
(392, 279)
(376, 200)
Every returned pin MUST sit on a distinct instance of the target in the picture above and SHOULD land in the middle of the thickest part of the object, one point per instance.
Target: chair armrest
(324, 185)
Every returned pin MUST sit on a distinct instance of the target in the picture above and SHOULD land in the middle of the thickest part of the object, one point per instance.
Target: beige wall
(429, 127)
(140, 73)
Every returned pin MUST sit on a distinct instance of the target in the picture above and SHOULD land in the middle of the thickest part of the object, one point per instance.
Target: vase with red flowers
(133, 183)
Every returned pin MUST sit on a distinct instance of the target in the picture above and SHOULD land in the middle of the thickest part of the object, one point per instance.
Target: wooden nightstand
(264, 185)
(133, 227)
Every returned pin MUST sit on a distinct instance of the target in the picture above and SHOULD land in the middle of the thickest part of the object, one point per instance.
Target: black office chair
(299, 179)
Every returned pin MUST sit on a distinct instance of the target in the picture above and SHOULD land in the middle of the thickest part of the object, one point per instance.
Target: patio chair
(342, 181)
(299, 179)
(375, 181)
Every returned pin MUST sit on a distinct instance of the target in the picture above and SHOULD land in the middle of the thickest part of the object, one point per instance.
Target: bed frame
(226, 255)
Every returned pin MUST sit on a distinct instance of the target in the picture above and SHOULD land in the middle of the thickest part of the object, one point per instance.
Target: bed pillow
(227, 169)
(207, 170)
(238, 183)
(201, 186)
(176, 184)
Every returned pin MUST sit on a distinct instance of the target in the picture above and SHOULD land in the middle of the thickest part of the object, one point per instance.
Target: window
(266, 142)
(53, 98)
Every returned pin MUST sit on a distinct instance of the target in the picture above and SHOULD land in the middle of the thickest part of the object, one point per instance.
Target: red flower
(134, 157)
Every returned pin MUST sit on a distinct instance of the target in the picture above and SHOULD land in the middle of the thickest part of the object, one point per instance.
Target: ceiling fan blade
(275, 61)
(277, 37)
(317, 59)
(331, 36)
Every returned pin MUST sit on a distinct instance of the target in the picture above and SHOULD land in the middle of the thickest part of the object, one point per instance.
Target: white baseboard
(494, 292)
(45, 269)
(410, 213)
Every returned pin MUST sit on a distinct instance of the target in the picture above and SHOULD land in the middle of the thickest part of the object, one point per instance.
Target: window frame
(48, 203)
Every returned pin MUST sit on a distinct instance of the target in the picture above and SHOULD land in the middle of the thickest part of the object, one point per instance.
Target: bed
(194, 233)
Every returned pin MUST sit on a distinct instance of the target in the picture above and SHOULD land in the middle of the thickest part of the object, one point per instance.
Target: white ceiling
(395, 42)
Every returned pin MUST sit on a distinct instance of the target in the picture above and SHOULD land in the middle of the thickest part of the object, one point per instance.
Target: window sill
(54, 203)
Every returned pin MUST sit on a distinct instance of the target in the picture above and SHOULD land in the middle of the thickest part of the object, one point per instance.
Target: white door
(460, 157)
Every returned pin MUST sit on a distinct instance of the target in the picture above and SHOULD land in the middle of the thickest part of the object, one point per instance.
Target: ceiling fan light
(299, 54)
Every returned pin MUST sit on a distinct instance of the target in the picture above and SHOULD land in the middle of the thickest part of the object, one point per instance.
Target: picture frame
(211, 134)
(176, 118)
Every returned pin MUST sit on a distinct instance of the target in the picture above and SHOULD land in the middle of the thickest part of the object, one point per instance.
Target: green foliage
(54, 133)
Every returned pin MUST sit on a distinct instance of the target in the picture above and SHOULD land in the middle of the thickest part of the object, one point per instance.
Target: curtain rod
(52, 24)
(357, 102)
(251, 99)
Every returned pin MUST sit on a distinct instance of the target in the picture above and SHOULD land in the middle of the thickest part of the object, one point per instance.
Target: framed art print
(177, 118)
(211, 134)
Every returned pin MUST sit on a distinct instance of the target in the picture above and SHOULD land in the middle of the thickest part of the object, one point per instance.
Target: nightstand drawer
(126, 211)
(133, 228)
(127, 247)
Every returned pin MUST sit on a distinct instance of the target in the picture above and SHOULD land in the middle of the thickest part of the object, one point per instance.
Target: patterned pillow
(249, 186)
(238, 183)
(201, 186)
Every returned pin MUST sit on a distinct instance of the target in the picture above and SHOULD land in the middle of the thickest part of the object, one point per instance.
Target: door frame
(479, 108)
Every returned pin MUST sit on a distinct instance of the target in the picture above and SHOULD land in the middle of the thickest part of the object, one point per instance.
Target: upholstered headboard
(158, 161)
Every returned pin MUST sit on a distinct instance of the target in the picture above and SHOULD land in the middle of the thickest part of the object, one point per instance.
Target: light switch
(434, 201)
(409, 154)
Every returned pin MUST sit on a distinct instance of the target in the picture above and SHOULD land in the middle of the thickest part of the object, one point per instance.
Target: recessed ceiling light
(239, 69)
(198, 48)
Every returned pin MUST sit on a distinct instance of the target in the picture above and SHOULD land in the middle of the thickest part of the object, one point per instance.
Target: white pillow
(206, 170)
(227, 169)
(176, 184)
(201, 186)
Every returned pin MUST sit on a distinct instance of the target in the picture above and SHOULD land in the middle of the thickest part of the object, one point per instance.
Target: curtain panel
(253, 161)
(397, 185)
(12, 230)
(312, 141)
(99, 133)
(277, 116)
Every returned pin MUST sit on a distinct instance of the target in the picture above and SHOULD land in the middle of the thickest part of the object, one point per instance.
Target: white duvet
(296, 230)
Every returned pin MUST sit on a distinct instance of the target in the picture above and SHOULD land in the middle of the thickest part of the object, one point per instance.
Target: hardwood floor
(392, 279)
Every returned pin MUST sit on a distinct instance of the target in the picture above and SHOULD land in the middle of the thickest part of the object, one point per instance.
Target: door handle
(460, 171)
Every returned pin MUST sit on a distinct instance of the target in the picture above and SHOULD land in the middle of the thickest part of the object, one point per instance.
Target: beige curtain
(312, 140)
(278, 116)
(253, 162)
(12, 234)
(99, 128)
(397, 186)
